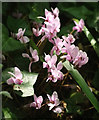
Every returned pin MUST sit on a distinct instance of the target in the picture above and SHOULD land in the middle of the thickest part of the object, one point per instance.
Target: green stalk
(91, 39)
(79, 79)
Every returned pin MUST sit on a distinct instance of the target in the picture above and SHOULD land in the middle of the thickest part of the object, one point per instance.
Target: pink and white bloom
(70, 39)
(16, 77)
(51, 25)
(50, 62)
(23, 39)
(58, 44)
(53, 100)
(79, 26)
(32, 59)
(37, 102)
(58, 109)
(37, 32)
(56, 74)
(80, 59)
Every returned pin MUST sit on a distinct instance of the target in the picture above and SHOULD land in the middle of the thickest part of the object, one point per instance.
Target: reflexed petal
(18, 73)
(51, 105)
(49, 97)
(25, 39)
(10, 81)
(54, 96)
(53, 59)
(40, 99)
(59, 65)
(33, 104)
(26, 55)
(35, 98)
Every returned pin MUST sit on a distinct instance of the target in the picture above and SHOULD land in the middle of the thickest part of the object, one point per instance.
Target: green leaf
(4, 29)
(6, 93)
(79, 79)
(8, 114)
(91, 39)
(78, 12)
(26, 87)
(10, 44)
(14, 24)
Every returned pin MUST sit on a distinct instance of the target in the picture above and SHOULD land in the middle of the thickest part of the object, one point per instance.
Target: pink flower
(53, 100)
(58, 109)
(37, 32)
(17, 77)
(50, 62)
(79, 26)
(58, 44)
(51, 25)
(70, 39)
(80, 59)
(37, 102)
(23, 39)
(56, 74)
(32, 59)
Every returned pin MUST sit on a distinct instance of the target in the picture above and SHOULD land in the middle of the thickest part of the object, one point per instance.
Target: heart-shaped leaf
(26, 87)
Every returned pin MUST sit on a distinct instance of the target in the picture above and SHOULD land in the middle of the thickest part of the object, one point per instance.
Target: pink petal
(18, 73)
(26, 55)
(54, 95)
(51, 105)
(57, 102)
(12, 74)
(49, 97)
(33, 104)
(10, 81)
(40, 99)
(53, 59)
(58, 109)
(45, 65)
(59, 65)
(25, 39)
(35, 98)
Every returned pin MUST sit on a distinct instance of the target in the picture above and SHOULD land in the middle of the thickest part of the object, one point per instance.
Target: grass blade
(79, 79)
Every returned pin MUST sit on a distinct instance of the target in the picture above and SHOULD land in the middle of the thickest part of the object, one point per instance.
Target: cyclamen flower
(80, 59)
(79, 26)
(56, 74)
(58, 109)
(17, 77)
(51, 25)
(50, 62)
(32, 59)
(53, 100)
(37, 102)
(23, 39)
(76, 56)
(58, 44)
(70, 39)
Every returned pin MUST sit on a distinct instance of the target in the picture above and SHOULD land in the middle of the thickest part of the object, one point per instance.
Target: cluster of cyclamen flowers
(62, 47)
(53, 102)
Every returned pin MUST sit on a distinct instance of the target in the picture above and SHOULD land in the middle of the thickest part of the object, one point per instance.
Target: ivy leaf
(8, 114)
(26, 87)
(10, 44)
(6, 93)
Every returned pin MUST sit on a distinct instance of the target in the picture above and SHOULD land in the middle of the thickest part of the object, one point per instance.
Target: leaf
(72, 107)
(6, 93)
(78, 12)
(26, 87)
(14, 24)
(77, 97)
(79, 79)
(38, 10)
(8, 114)
(10, 44)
